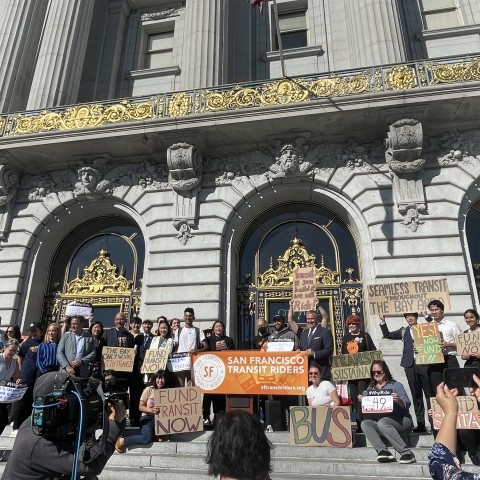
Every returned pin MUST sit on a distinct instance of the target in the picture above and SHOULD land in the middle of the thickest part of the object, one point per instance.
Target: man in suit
(142, 343)
(317, 343)
(417, 375)
(76, 349)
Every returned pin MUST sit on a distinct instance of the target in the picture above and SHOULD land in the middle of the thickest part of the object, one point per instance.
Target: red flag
(257, 3)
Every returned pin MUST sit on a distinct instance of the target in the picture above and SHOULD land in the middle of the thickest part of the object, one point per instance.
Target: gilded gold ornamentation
(353, 298)
(455, 72)
(401, 78)
(84, 116)
(295, 257)
(2, 124)
(99, 278)
(179, 105)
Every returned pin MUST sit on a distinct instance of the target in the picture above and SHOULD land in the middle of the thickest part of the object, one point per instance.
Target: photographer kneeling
(59, 456)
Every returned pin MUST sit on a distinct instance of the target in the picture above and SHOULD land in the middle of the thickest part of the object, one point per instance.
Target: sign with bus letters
(468, 343)
(467, 416)
(320, 427)
(118, 358)
(155, 360)
(180, 410)
(239, 372)
(426, 339)
(354, 366)
(404, 297)
(304, 296)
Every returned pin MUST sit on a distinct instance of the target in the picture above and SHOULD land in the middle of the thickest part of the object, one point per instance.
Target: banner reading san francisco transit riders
(251, 372)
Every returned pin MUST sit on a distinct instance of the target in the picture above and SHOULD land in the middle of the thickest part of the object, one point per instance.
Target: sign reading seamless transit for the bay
(251, 372)
(320, 427)
(403, 297)
(304, 295)
(180, 410)
(354, 366)
(426, 338)
(467, 416)
(118, 358)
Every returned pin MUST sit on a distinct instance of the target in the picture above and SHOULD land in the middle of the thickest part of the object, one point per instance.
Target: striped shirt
(47, 357)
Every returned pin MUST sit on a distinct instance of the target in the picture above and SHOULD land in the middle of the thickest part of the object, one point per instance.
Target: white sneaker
(14, 433)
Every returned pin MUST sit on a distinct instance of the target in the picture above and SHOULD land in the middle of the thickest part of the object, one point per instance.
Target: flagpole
(279, 38)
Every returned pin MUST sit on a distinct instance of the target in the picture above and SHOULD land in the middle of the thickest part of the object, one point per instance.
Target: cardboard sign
(251, 372)
(11, 393)
(155, 360)
(304, 295)
(280, 346)
(354, 366)
(468, 343)
(78, 308)
(179, 362)
(426, 339)
(320, 427)
(404, 297)
(467, 416)
(118, 358)
(180, 410)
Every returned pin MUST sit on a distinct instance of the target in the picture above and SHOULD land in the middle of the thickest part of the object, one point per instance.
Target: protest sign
(118, 358)
(304, 295)
(78, 308)
(251, 372)
(179, 362)
(467, 416)
(377, 401)
(11, 393)
(180, 410)
(155, 360)
(354, 366)
(320, 427)
(403, 297)
(426, 339)
(468, 343)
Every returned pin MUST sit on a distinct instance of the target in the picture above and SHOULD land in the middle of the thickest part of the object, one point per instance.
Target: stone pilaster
(20, 27)
(204, 61)
(61, 53)
(382, 44)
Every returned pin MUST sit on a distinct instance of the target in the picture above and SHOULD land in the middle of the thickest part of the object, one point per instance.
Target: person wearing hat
(27, 356)
(33, 457)
(282, 333)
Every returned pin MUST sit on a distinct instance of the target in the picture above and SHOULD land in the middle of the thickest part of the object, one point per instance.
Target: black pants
(22, 409)
(3, 416)
(219, 404)
(419, 383)
(356, 388)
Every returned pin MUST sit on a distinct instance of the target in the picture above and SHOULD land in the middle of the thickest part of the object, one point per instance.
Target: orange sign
(251, 372)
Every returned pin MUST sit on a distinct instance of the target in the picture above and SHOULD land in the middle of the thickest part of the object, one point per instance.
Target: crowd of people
(76, 348)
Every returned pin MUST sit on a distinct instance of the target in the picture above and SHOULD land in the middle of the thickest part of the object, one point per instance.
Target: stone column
(376, 35)
(61, 53)
(204, 61)
(20, 27)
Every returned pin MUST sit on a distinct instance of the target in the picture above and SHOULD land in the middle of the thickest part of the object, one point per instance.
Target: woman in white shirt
(320, 393)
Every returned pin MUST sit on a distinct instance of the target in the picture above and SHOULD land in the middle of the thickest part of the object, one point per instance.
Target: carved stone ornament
(185, 167)
(184, 233)
(404, 157)
(90, 181)
(9, 182)
(289, 163)
(159, 15)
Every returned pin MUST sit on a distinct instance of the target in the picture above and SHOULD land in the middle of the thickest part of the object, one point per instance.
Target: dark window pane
(293, 40)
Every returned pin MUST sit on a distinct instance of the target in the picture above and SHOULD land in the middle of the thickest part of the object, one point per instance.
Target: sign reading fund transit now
(403, 297)
(251, 372)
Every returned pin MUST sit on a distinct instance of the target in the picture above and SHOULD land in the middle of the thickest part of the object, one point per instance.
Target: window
(159, 50)
(293, 29)
(438, 14)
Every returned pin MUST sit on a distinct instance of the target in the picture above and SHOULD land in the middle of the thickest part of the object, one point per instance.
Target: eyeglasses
(377, 372)
(10, 331)
(350, 324)
(313, 374)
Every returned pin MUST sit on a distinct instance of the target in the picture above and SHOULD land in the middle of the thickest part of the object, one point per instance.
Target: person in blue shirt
(47, 351)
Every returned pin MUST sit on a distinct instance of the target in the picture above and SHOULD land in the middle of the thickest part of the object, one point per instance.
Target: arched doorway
(473, 239)
(291, 236)
(100, 263)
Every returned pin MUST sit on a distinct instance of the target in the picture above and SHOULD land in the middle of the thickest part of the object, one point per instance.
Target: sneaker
(408, 458)
(118, 446)
(385, 456)
(420, 429)
(14, 433)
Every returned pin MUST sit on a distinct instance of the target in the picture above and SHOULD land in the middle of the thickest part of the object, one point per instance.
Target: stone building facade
(153, 155)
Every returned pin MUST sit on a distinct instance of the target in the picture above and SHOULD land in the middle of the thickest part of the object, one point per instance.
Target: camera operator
(37, 458)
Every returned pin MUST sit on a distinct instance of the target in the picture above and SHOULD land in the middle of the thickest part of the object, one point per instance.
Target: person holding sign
(472, 319)
(9, 370)
(354, 341)
(442, 462)
(392, 419)
(321, 393)
(148, 410)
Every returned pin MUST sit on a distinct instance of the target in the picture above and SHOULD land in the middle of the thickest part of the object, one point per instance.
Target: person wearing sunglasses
(394, 425)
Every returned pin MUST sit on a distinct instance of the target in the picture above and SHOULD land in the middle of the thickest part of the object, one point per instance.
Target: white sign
(179, 362)
(280, 346)
(11, 393)
(78, 308)
(377, 404)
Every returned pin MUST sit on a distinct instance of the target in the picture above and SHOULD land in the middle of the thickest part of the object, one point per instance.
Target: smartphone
(460, 377)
